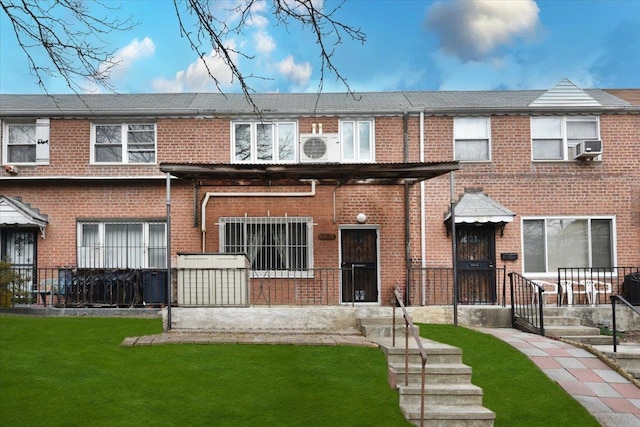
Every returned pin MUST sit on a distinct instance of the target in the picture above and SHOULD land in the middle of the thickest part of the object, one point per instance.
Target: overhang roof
(479, 208)
(14, 212)
(293, 174)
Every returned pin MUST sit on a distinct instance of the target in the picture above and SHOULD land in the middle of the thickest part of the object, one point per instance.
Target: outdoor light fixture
(361, 218)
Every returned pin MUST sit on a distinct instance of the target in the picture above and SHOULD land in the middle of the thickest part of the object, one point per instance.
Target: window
(259, 142)
(274, 245)
(554, 137)
(552, 243)
(124, 143)
(122, 245)
(356, 137)
(26, 142)
(471, 139)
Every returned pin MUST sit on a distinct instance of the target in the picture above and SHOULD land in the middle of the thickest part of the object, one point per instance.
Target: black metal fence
(478, 286)
(594, 286)
(526, 304)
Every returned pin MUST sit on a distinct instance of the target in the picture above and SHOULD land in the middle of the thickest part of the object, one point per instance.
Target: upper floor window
(258, 142)
(26, 142)
(357, 140)
(554, 137)
(274, 245)
(124, 143)
(122, 244)
(552, 243)
(472, 139)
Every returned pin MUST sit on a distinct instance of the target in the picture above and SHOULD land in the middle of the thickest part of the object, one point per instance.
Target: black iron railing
(526, 304)
(594, 286)
(621, 299)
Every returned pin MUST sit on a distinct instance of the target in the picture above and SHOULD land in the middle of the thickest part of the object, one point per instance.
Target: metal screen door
(359, 248)
(476, 257)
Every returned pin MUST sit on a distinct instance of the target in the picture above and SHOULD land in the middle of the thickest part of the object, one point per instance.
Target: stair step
(441, 394)
(450, 416)
(434, 374)
(563, 331)
(590, 339)
(561, 321)
(436, 352)
(385, 331)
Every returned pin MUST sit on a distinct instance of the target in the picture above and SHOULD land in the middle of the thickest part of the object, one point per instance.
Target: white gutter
(423, 227)
(208, 195)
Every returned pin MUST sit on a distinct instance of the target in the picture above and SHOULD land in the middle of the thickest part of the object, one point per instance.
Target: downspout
(210, 194)
(423, 225)
(407, 226)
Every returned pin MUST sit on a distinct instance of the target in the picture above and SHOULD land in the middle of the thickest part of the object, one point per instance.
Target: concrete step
(561, 321)
(565, 331)
(590, 339)
(441, 394)
(434, 374)
(627, 355)
(450, 416)
(371, 331)
(436, 352)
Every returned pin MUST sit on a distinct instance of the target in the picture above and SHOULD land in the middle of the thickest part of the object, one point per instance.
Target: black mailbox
(509, 256)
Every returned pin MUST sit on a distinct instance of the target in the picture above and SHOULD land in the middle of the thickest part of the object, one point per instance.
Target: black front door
(359, 248)
(476, 258)
(19, 249)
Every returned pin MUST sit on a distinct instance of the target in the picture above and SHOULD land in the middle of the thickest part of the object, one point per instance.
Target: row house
(328, 198)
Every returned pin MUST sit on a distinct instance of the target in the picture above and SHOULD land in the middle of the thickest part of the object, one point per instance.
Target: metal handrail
(423, 354)
(613, 299)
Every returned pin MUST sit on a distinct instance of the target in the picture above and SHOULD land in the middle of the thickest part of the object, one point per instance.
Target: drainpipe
(423, 225)
(209, 194)
(169, 287)
(407, 227)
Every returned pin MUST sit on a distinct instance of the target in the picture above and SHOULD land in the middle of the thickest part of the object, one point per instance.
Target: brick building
(332, 198)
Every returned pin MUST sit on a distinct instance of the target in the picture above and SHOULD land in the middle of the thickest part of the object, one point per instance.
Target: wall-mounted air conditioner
(319, 148)
(588, 149)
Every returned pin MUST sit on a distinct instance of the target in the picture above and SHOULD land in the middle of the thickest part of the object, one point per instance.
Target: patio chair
(548, 289)
(579, 288)
(567, 295)
(594, 288)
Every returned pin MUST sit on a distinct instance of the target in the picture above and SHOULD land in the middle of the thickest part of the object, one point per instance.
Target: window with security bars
(122, 245)
(272, 244)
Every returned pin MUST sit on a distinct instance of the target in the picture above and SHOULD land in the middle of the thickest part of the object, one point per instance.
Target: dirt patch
(630, 336)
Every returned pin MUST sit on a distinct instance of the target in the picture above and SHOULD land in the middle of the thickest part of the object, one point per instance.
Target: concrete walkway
(612, 399)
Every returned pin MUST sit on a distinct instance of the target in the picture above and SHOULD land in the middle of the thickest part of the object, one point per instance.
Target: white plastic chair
(548, 289)
(566, 286)
(595, 287)
(579, 288)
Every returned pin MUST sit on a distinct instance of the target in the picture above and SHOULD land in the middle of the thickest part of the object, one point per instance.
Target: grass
(518, 392)
(61, 371)
(73, 372)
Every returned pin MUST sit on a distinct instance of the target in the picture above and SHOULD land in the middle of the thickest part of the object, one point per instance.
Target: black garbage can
(154, 284)
(631, 288)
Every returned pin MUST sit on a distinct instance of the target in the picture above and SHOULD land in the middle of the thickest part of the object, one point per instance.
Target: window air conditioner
(588, 149)
(319, 148)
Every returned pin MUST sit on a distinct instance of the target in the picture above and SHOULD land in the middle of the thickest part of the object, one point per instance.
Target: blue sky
(410, 45)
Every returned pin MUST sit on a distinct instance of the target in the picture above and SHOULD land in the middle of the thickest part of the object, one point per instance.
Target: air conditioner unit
(588, 149)
(319, 148)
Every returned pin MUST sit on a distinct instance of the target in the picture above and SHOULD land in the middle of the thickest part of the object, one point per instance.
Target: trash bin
(631, 288)
(154, 284)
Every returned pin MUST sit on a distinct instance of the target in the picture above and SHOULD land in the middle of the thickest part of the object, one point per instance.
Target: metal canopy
(293, 174)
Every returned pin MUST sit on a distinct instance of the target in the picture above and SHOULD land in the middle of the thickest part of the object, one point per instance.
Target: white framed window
(263, 142)
(129, 143)
(566, 242)
(277, 246)
(357, 140)
(554, 137)
(472, 139)
(116, 244)
(26, 142)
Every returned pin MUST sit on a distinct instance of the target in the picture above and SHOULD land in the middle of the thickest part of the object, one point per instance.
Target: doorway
(359, 255)
(476, 259)
(18, 248)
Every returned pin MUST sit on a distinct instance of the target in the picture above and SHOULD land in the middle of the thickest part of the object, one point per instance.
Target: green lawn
(72, 372)
(518, 392)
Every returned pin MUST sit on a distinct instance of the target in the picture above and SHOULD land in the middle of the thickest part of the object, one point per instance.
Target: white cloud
(476, 29)
(125, 57)
(196, 77)
(298, 73)
(264, 42)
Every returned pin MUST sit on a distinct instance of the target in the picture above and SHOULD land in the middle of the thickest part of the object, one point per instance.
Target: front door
(359, 252)
(19, 249)
(476, 258)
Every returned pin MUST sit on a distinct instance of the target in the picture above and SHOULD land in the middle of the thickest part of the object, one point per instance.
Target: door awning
(14, 212)
(478, 208)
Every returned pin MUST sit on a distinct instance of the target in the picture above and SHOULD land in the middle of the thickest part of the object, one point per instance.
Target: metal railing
(526, 304)
(593, 286)
(478, 286)
(410, 328)
(613, 299)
